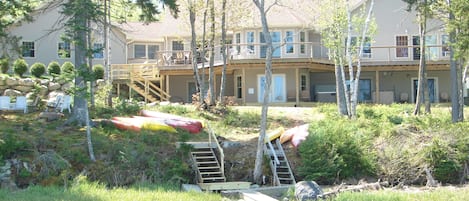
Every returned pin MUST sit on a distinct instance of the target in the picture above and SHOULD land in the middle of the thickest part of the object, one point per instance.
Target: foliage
(20, 67)
(235, 118)
(53, 69)
(68, 68)
(179, 110)
(98, 71)
(10, 145)
(4, 65)
(38, 69)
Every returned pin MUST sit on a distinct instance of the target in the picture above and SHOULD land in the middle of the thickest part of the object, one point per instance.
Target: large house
(155, 60)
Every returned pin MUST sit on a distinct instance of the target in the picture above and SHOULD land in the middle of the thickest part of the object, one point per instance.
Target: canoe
(136, 124)
(288, 134)
(300, 135)
(189, 127)
(148, 113)
(272, 135)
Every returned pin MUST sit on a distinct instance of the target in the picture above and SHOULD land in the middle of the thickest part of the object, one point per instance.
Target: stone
(12, 92)
(26, 82)
(11, 81)
(43, 90)
(53, 86)
(307, 190)
(67, 86)
(23, 88)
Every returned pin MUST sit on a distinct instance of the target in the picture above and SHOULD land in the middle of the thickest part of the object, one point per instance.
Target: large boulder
(54, 86)
(26, 82)
(12, 92)
(307, 190)
(11, 81)
(67, 86)
(22, 88)
(43, 90)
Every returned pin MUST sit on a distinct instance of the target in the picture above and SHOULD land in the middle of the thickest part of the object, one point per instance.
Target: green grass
(91, 191)
(439, 194)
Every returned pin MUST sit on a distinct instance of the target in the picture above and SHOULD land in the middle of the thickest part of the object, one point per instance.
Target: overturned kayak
(288, 134)
(272, 135)
(175, 123)
(166, 116)
(136, 124)
(300, 135)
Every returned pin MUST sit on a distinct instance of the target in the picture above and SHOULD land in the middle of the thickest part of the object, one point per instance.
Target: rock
(26, 82)
(11, 81)
(53, 86)
(228, 144)
(50, 116)
(43, 90)
(12, 92)
(44, 82)
(67, 86)
(23, 88)
(307, 190)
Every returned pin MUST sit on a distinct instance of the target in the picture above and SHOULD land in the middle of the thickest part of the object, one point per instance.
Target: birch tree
(223, 53)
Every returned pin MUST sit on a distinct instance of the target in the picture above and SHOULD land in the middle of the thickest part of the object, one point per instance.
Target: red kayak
(300, 134)
(175, 123)
(166, 116)
(137, 124)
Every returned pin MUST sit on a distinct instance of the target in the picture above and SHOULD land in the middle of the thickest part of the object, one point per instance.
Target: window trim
(144, 48)
(305, 87)
(100, 52)
(445, 52)
(302, 49)
(251, 47)
(58, 49)
(239, 87)
(396, 44)
(34, 49)
(290, 43)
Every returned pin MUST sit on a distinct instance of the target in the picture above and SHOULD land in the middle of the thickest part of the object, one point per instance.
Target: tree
(211, 77)
(260, 4)
(223, 52)
(424, 12)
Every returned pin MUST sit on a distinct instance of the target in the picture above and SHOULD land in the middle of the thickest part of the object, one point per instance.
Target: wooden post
(118, 90)
(297, 86)
(243, 86)
(377, 95)
(167, 84)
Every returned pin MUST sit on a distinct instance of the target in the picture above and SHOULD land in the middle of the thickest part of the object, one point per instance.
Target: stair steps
(207, 165)
(281, 171)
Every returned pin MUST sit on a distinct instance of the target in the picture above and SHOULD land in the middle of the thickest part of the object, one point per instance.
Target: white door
(277, 88)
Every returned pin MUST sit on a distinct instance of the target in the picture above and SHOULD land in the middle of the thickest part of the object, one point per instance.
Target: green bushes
(38, 69)
(246, 119)
(20, 67)
(4, 65)
(53, 69)
(98, 71)
(68, 68)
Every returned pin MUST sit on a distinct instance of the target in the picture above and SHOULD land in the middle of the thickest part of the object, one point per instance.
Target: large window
(366, 52)
(250, 41)
(416, 48)
(364, 89)
(139, 51)
(238, 41)
(431, 51)
(402, 51)
(239, 87)
(63, 50)
(302, 41)
(276, 38)
(303, 83)
(178, 45)
(445, 45)
(98, 51)
(289, 42)
(152, 49)
(28, 49)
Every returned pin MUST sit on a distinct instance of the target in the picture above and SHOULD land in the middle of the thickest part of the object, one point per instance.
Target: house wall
(46, 31)
(179, 87)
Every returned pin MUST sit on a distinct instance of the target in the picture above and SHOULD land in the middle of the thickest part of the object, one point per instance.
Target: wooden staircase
(146, 88)
(207, 166)
(281, 171)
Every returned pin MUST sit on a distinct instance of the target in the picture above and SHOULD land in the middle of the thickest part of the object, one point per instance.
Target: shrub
(38, 69)
(98, 71)
(20, 67)
(4, 65)
(246, 119)
(68, 68)
(53, 68)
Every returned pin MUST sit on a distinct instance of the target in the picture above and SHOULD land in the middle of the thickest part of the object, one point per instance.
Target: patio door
(431, 82)
(277, 88)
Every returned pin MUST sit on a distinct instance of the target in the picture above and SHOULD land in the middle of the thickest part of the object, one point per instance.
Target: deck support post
(377, 95)
(297, 87)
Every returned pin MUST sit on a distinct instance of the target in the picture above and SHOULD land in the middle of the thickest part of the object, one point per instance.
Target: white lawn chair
(5, 103)
(21, 104)
(65, 103)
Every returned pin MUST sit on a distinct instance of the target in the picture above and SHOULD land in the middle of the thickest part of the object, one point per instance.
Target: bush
(38, 69)
(4, 65)
(98, 71)
(68, 68)
(53, 68)
(20, 67)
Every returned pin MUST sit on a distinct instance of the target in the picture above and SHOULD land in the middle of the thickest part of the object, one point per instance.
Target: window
(431, 51)
(416, 48)
(152, 49)
(98, 51)
(178, 45)
(28, 49)
(239, 87)
(238, 41)
(250, 40)
(445, 45)
(364, 89)
(402, 51)
(366, 52)
(302, 41)
(303, 83)
(64, 50)
(276, 39)
(289, 42)
(139, 51)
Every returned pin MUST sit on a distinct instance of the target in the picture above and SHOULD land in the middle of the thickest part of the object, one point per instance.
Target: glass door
(277, 88)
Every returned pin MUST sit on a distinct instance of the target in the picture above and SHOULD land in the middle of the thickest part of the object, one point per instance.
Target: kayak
(135, 124)
(288, 134)
(189, 127)
(272, 135)
(300, 135)
(194, 122)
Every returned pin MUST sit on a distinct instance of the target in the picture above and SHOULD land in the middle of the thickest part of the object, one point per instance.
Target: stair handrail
(273, 152)
(222, 155)
(273, 164)
(279, 145)
(156, 90)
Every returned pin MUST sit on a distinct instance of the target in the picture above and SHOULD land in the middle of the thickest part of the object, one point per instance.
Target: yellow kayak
(157, 126)
(272, 135)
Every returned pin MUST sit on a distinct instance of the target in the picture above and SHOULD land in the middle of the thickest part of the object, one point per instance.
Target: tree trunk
(195, 54)
(265, 104)
(457, 114)
(421, 74)
(348, 51)
(223, 53)
(340, 92)
(92, 81)
(211, 78)
(107, 49)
